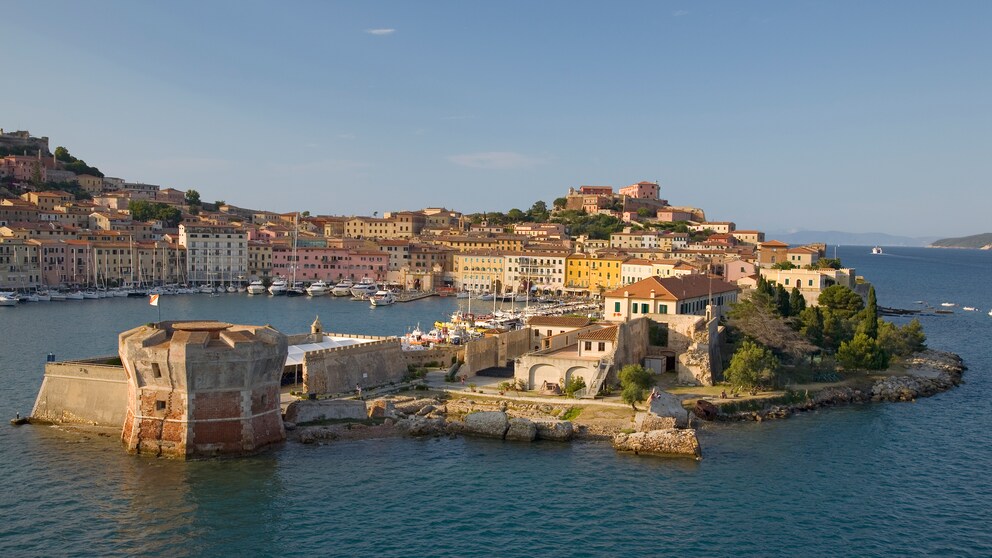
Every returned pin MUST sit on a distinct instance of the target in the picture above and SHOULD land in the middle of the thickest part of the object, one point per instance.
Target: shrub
(571, 414)
(751, 366)
(862, 353)
(573, 385)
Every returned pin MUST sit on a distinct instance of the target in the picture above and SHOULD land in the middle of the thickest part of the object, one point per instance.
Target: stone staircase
(602, 370)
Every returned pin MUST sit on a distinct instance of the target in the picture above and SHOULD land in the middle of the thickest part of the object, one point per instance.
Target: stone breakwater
(668, 442)
(928, 373)
(434, 417)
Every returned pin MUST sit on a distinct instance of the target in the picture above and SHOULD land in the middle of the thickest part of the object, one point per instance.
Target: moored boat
(364, 288)
(382, 298)
(256, 287)
(318, 288)
(278, 287)
(343, 288)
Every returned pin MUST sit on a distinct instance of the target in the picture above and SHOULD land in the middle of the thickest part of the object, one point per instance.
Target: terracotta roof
(674, 288)
(802, 250)
(605, 334)
(774, 244)
(558, 321)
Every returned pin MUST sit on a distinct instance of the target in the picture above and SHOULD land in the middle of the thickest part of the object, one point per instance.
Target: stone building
(200, 389)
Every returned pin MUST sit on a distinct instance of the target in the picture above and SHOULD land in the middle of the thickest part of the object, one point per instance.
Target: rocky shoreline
(928, 373)
(660, 431)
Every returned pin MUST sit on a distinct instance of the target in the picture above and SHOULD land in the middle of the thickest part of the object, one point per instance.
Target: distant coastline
(977, 242)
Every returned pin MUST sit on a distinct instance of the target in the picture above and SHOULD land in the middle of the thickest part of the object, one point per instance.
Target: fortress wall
(338, 370)
(82, 392)
(441, 355)
(480, 354)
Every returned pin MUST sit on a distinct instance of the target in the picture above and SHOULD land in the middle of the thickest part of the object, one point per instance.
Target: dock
(410, 297)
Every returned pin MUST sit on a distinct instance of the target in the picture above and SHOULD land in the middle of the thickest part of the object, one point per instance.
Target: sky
(792, 115)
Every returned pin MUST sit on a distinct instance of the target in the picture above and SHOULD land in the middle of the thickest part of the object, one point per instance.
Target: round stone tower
(201, 389)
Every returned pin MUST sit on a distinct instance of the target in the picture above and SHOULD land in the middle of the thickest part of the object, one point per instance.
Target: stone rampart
(440, 355)
(479, 355)
(340, 369)
(82, 392)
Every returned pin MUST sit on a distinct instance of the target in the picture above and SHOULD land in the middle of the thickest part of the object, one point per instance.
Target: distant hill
(850, 239)
(982, 241)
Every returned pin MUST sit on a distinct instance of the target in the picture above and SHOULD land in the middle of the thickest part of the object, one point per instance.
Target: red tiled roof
(605, 334)
(674, 288)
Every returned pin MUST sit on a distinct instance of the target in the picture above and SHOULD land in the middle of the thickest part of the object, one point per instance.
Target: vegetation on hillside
(779, 336)
(146, 211)
(973, 241)
(73, 164)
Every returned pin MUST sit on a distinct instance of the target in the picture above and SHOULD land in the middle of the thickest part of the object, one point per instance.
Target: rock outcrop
(670, 442)
(487, 424)
(555, 430)
(646, 422)
(521, 430)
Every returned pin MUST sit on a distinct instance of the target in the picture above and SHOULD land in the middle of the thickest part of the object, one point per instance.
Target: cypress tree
(870, 326)
(796, 302)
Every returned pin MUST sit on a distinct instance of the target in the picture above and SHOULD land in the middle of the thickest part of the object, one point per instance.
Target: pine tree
(796, 302)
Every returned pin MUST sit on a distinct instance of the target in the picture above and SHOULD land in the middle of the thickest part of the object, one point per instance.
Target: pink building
(330, 264)
(643, 190)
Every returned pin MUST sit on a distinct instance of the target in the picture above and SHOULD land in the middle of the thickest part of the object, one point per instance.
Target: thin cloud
(680, 13)
(380, 32)
(497, 160)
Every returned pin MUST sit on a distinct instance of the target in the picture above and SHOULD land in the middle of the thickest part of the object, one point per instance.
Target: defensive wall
(85, 392)
(340, 369)
(441, 355)
(696, 343)
(495, 350)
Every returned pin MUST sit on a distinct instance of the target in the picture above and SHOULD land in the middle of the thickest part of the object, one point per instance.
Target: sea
(866, 480)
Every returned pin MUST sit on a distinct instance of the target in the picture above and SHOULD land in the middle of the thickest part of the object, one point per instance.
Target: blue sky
(855, 116)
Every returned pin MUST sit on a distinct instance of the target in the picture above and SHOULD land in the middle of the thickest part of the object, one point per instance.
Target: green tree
(219, 203)
(869, 321)
(192, 197)
(842, 301)
(634, 382)
(782, 301)
(538, 212)
(862, 353)
(560, 203)
(752, 366)
(62, 154)
(516, 216)
(811, 325)
(645, 212)
(797, 303)
(573, 385)
(902, 341)
(783, 265)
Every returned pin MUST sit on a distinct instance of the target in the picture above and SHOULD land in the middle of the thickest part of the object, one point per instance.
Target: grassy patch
(571, 414)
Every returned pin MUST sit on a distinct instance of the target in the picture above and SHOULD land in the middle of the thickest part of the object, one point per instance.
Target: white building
(215, 253)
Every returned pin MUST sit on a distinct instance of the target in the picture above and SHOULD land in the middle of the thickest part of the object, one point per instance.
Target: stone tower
(316, 328)
(201, 389)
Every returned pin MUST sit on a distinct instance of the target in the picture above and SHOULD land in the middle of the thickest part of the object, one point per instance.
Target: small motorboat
(948, 304)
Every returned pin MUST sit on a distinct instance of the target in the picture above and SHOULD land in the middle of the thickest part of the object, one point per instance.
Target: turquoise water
(873, 480)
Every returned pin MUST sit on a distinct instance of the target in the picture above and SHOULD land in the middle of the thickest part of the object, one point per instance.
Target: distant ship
(876, 250)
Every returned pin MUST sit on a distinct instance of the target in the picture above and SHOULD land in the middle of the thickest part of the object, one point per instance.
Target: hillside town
(66, 228)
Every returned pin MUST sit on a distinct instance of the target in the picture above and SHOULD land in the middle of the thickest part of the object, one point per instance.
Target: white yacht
(343, 288)
(278, 287)
(365, 288)
(256, 287)
(876, 250)
(382, 298)
(318, 288)
(8, 300)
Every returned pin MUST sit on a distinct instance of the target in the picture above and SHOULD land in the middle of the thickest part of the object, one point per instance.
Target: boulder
(705, 410)
(556, 430)
(302, 412)
(521, 430)
(382, 408)
(670, 442)
(413, 406)
(422, 426)
(426, 410)
(488, 424)
(664, 404)
(646, 422)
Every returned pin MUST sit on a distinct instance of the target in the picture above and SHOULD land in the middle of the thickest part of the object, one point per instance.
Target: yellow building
(478, 271)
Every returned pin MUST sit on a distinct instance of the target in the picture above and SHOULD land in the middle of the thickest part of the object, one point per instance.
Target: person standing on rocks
(358, 389)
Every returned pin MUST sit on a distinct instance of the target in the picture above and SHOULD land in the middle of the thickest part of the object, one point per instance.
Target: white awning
(297, 353)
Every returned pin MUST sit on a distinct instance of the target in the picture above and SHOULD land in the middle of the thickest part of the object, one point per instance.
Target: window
(159, 405)
(588, 345)
(602, 346)
(156, 371)
(616, 306)
(634, 308)
(662, 308)
(645, 308)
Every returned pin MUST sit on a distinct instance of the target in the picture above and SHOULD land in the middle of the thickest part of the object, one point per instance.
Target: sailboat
(295, 288)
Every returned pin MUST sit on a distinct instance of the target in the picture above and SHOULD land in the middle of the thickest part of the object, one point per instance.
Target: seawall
(85, 392)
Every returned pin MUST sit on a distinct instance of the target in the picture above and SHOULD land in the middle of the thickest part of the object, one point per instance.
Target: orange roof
(605, 334)
(774, 244)
(802, 250)
(674, 288)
